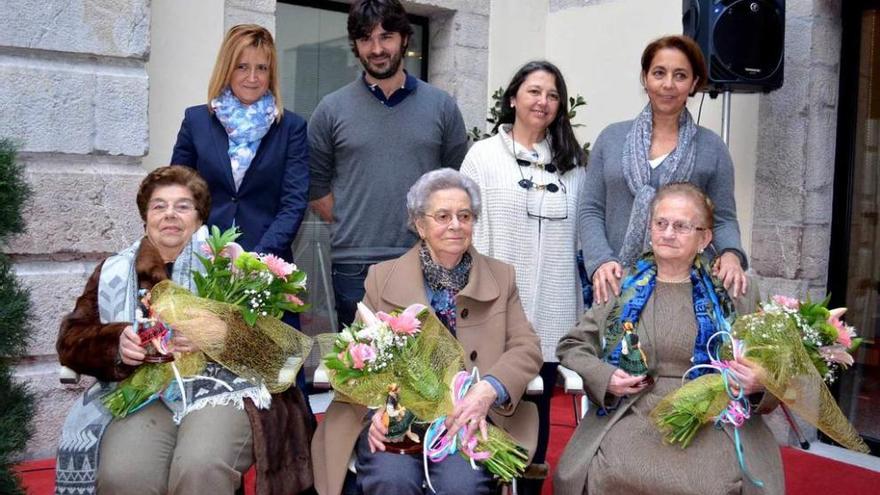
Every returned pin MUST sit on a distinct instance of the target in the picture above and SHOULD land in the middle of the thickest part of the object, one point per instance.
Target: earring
(700, 251)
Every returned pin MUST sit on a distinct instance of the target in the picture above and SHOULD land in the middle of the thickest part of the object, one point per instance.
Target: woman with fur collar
(208, 447)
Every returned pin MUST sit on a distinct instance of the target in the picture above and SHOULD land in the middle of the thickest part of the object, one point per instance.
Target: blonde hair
(237, 39)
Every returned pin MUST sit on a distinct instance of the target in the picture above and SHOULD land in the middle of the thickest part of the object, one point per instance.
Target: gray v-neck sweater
(368, 155)
(604, 209)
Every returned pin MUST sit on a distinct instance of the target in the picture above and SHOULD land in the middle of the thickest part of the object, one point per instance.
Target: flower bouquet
(234, 321)
(799, 346)
(409, 360)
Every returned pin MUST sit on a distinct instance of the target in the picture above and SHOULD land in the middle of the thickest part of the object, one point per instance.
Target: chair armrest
(67, 376)
(536, 386)
(321, 379)
(571, 381)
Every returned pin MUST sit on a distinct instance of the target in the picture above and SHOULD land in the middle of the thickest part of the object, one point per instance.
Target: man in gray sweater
(370, 141)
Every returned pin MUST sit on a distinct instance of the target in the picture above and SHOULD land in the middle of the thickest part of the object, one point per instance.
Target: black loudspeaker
(743, 42)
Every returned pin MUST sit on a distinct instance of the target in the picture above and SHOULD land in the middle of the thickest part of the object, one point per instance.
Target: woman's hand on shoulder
(729, 270)
(377, 435)
(622, 383)
(606, 280)
(130, 350)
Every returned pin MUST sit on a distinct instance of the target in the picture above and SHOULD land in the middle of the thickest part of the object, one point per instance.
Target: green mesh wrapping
(271, 352)
(774, 342)
(423, 371)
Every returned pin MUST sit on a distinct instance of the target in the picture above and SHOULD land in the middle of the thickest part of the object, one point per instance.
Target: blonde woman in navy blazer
(267, 198)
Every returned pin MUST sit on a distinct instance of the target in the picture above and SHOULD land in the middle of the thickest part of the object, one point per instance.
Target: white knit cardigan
(542, 251)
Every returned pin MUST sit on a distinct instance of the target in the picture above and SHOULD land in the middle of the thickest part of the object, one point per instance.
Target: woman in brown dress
(671, 305)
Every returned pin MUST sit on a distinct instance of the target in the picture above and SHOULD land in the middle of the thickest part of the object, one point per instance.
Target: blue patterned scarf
(444, 284)
(245, 125)
(713, 308)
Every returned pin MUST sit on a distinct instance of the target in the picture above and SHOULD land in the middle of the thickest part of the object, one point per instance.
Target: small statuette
(154, 334)
(399, 421)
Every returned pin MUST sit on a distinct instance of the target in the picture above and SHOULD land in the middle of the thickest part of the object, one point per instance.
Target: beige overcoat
(580, 351)
(493, 330)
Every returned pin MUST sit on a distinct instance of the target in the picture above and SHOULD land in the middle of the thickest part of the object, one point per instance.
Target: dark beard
(393, 65)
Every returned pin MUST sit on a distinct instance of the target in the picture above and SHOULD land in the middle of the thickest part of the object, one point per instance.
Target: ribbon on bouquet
(438, 444)
(738, 409)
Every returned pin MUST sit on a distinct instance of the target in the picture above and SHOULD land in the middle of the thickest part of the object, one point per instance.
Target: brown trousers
(146, 453)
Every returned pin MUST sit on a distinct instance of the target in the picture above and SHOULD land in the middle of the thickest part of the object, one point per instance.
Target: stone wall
(73, 92)
(458, 56)
(796, 153)
(791, 234)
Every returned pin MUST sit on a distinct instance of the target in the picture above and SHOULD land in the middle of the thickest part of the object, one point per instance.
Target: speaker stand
(725, 117)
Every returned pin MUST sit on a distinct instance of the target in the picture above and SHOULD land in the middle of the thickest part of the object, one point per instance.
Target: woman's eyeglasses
(529, 185)
(443, 217)
(183, 207)
(680, 228)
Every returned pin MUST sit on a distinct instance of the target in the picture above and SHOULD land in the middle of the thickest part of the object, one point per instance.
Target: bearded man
(370, 141)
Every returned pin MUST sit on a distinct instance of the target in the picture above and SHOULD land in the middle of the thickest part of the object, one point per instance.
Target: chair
(67, 376)
(573, 385)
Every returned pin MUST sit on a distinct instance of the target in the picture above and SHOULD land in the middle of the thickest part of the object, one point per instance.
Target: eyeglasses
(529, 185)
(183, 207)
(680, 228)
(443, 217)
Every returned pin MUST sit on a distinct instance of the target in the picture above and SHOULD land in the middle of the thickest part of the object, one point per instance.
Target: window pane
(860, 387)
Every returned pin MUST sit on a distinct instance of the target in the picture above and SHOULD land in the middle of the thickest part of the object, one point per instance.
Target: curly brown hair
(175, 175)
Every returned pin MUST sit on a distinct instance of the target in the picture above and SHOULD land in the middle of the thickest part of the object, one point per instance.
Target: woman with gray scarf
(632, 159)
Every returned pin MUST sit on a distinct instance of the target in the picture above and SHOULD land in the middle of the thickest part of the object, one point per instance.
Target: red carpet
(805, 473)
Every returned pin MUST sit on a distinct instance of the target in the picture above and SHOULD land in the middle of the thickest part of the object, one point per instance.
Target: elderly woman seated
(204, 448)
(476, 298)
(664, 319)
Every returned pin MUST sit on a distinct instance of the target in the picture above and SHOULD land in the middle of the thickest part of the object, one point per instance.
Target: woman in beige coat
(668, 300)
(476, 298)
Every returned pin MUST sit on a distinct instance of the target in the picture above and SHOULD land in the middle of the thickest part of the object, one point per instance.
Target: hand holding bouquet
(800, 346)
(234, 320)
(412, 349)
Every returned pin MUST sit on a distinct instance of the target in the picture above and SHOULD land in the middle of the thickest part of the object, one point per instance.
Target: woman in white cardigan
(530, 175)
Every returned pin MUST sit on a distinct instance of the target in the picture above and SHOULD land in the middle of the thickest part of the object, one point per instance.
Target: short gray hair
(438, 180)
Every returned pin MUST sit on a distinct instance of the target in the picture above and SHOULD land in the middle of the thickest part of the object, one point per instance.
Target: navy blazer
(271, 202)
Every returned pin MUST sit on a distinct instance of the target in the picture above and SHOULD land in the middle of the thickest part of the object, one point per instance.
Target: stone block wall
(73, 92)
(791, 234)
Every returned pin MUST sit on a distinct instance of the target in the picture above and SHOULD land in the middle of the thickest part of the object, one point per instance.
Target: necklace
(686, 278)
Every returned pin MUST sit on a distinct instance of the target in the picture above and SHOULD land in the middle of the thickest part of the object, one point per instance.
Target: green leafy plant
(475, 134)
(15, 329)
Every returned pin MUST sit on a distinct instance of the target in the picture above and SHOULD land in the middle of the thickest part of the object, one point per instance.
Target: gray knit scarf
(678, 167)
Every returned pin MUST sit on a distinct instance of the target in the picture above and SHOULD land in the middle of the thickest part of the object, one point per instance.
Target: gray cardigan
(604, 210)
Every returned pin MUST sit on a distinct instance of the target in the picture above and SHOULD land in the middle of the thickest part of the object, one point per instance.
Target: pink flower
(293, 299)
(207, 251)
(361, 354)
(786, 302)
(836, 354)
(278, 266)
(231, 251)
(843, 336)
(406, 323)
